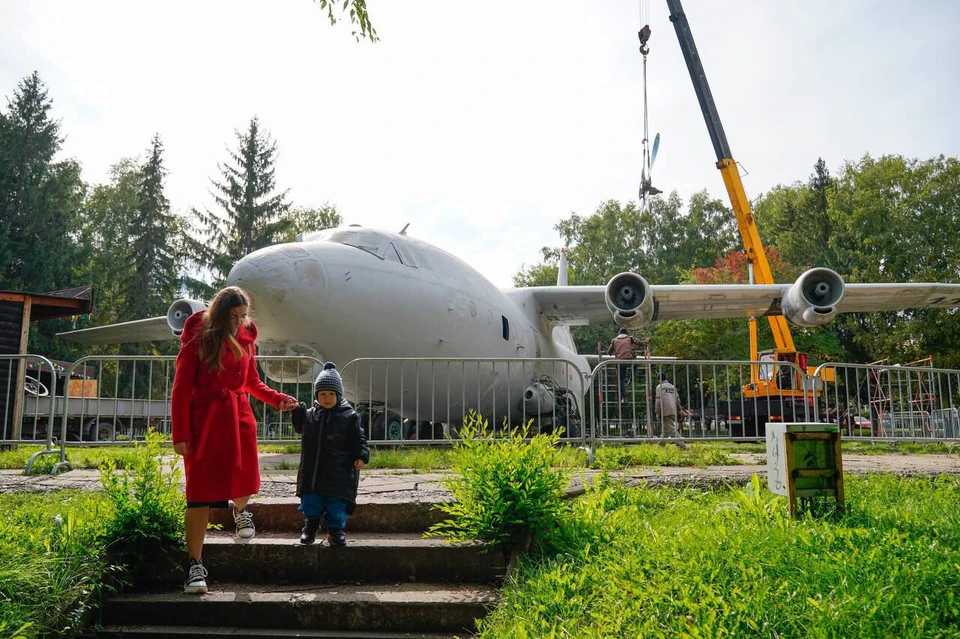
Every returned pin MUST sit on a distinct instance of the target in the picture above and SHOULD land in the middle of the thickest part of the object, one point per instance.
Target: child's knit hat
(329, 380)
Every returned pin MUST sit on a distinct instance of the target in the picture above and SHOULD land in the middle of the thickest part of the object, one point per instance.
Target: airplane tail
(561, 334)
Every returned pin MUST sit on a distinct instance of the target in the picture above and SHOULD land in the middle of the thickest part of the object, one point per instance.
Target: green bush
(148, 504)
(506, 487)
(58, 551)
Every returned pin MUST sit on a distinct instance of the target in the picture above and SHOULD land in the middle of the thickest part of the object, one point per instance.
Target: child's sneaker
(196, 582)
(244, 520)
(336, 537)
(309, 533)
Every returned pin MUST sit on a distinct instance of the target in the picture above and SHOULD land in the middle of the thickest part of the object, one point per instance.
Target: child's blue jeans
(313, 506)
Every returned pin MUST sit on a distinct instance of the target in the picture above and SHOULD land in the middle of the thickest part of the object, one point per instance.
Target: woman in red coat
(213, 425)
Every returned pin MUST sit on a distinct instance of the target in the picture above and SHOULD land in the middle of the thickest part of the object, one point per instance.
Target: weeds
(672, 562)
(148, 503)
(506, 488)
(50, 561)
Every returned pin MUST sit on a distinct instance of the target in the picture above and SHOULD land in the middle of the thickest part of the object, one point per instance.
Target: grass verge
(683, 562)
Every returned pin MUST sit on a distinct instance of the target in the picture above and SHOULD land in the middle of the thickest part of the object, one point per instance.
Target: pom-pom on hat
(329, 380)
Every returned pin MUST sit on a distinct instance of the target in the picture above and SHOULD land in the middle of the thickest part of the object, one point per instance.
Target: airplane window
(371, 242)
(406, 256)
(392, 255)
(506, 327)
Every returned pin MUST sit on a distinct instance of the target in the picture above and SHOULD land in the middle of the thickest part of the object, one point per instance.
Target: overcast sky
(483, 124)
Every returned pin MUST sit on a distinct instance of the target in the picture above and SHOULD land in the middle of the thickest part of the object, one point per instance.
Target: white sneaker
(244, 520)
(196, 582)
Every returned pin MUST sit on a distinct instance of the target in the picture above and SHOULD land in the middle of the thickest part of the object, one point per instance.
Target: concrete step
(396, 608)
(273, 558)
(281, 515)
(205, 632)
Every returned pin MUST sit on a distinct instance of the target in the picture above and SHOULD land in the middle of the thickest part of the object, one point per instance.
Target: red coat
(211, 410)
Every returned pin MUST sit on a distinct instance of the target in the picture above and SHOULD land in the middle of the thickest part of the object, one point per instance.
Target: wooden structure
(17, 310)
(804, 463)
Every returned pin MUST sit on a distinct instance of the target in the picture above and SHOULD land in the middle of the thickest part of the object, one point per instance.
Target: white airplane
(352, 292)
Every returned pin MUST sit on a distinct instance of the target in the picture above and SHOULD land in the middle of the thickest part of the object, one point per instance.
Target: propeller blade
(653, 154)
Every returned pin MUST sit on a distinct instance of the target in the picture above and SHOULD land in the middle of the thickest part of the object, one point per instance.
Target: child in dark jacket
(333, 450)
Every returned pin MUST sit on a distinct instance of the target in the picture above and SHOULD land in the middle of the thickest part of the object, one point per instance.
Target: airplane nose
(273, 274)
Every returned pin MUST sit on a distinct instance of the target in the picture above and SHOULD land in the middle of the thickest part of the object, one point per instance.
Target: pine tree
(39, 199)
(251, 213)
(154, 242)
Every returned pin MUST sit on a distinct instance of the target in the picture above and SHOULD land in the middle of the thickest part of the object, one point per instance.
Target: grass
(79, 458)
(901, 448)
(57, 550)
(50, 561)
(675, 562)
(426, 459)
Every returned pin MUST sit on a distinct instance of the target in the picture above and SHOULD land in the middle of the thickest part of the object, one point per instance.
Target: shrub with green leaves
(506, 487)
(148, 503)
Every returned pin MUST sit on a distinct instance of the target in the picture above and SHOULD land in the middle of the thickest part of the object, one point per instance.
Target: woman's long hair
(217, 328)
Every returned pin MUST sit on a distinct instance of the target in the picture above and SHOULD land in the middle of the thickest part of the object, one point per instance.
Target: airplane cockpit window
(506, 327)
(406, 256)
(392, 255)
(369, 241)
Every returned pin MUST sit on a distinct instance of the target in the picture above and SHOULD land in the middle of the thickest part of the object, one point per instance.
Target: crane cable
(647, 170)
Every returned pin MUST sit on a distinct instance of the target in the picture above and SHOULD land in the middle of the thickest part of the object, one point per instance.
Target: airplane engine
(630, 299)
(179, 311)
(537, 399)
(813, 298)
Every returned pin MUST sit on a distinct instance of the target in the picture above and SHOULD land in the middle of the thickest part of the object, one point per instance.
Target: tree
(358, 16)
(305, 220)
(896, 219)
(153, 234)
(109, 214)
(252, 214)
(661, 244)
(729, 339)
(797, 219)
(39, 198)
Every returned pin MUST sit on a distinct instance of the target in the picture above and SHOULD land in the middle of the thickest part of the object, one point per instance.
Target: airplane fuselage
(360, 293)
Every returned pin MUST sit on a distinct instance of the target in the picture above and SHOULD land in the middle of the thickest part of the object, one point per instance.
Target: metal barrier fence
(120, 397)
(24, 407)
(892, 402)
(715, 395)
(425, 400)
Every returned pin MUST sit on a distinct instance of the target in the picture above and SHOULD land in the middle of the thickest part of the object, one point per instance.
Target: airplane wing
(891, 297)
(588, 304)
(145, 330)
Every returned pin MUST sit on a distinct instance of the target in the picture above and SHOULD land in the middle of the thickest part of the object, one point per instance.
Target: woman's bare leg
(195, 523)
(241, 502)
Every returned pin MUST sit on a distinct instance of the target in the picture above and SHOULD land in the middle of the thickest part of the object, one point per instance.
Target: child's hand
(358, 464)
